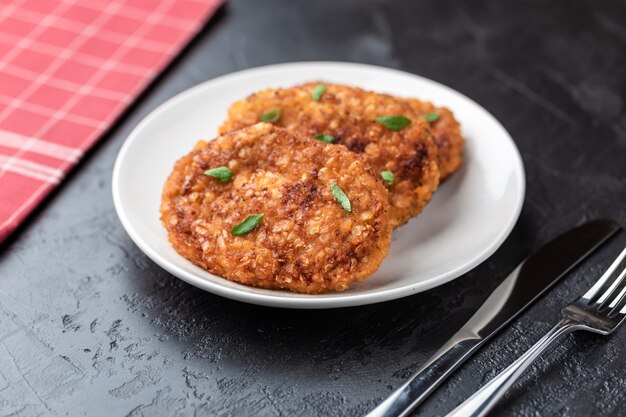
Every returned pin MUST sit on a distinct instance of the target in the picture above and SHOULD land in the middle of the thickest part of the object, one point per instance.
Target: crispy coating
(306, 242)
(447, 135)
(349, 115)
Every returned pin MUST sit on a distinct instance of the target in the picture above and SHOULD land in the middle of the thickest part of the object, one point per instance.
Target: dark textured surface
(90, 326)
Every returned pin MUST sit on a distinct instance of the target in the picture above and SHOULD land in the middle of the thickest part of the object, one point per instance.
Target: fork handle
(484, 399)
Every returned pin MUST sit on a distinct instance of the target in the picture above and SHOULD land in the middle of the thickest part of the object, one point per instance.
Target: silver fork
(600, 310)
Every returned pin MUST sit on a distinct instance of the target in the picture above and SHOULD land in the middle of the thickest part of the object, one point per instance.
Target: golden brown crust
(446, 132)
(349, 115)
(306, 242)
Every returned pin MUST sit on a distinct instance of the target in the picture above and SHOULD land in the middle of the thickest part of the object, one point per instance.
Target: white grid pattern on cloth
(47, 111)
(33, 170)
(8, 9)
(42, 147)
(77, 27)
(67, 85)
(44, 76)
(28, 39)
(83, 58)
(23, 44)
(155, 15)
(140, 14)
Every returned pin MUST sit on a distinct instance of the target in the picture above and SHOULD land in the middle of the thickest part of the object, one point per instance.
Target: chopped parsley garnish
(394, 123)
(248, 224)
(318, 92)
(270, 116)
(324, 138)
(221, 173)
(387, 176)
(341, 197)
(431, 117)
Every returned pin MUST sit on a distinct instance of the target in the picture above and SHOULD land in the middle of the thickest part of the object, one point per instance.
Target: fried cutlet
(446, 132)
(348, 116)
(272, 208)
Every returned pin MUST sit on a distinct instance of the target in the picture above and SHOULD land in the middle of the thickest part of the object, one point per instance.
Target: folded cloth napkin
(68, 69)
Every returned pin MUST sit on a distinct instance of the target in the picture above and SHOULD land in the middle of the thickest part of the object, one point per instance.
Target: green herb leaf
(270, 116)
(221, 173)
(431, 117)
(341, 197)
(318, 92)
(387, 176)
(394, 123)
(248, 224)
(324, 138)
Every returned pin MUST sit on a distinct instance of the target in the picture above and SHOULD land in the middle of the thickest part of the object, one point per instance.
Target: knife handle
(421, 384)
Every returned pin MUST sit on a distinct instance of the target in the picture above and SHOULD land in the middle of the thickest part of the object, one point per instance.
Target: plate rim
(320, 301)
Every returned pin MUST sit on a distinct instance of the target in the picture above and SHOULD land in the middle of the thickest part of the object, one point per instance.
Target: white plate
(467, 220)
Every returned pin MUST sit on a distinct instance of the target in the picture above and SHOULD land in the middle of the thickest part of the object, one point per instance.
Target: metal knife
(524, 285)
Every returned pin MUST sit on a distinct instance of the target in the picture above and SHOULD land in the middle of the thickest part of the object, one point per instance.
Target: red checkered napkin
(68, 69)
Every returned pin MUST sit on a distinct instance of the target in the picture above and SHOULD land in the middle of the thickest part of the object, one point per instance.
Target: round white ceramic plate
(467, 220)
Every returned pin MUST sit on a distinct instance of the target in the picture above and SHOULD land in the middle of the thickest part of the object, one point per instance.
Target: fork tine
(623, 310)
(617, 300)
(596, 287)
(611, 290)
(620, 297)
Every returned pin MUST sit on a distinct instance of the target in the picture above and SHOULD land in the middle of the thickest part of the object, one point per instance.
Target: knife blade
(527, 282)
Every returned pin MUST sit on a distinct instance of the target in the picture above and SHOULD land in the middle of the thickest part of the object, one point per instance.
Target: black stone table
(90, 326)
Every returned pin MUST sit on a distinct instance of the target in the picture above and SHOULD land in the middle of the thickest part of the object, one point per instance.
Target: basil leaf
(394, 123)
(318, 92)
(341, 197)
(431, 117)
(270, 116)
(221, 173)
(248, 224)
(387, 176)
(324, 138)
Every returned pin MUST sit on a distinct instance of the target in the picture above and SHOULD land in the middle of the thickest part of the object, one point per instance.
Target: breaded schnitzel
(446, 132)
(352, 117)
(272, 208)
